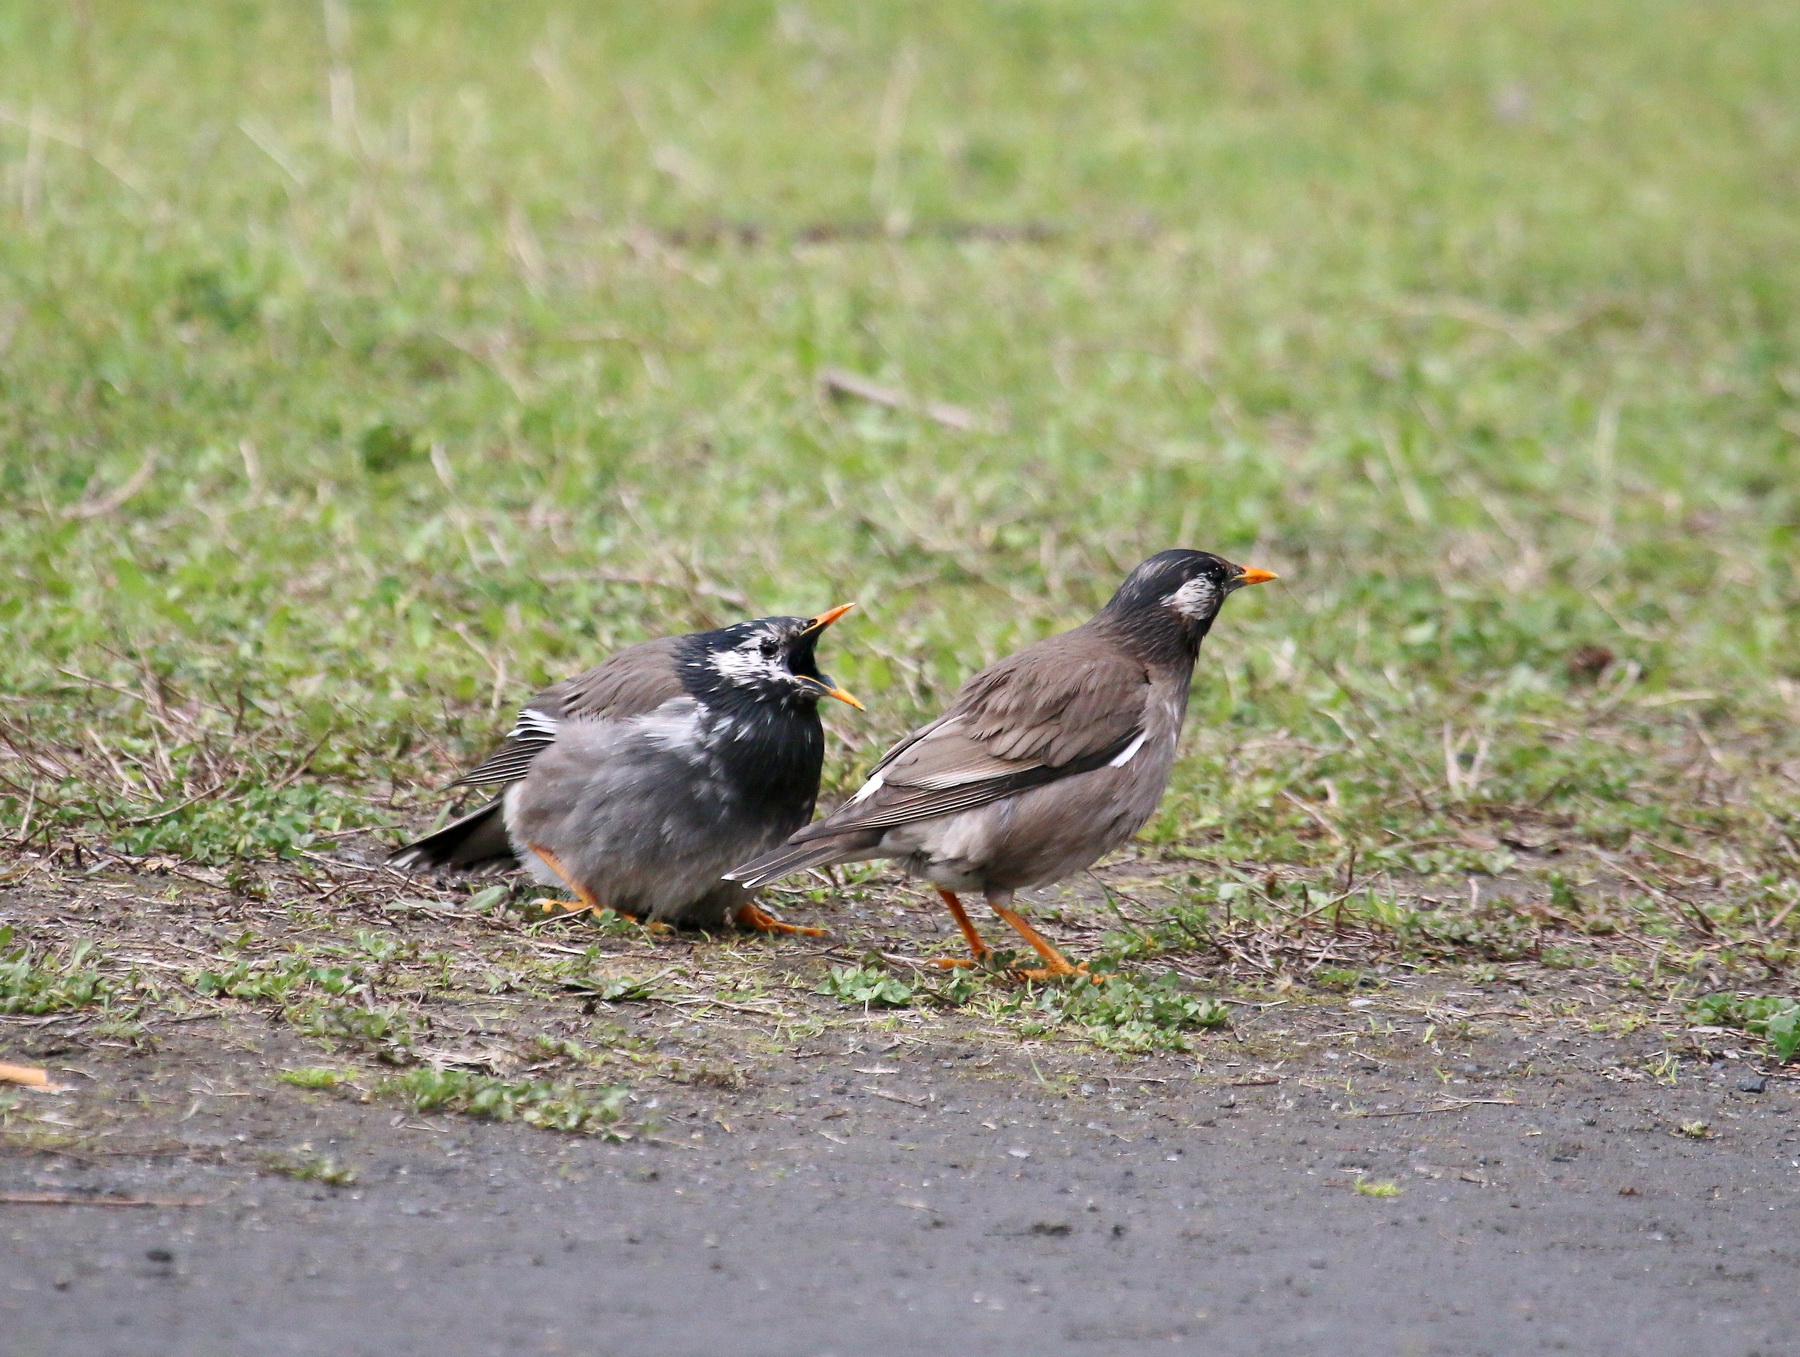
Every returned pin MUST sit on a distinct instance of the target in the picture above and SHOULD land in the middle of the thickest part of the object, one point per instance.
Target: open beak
(1251, 575)
(818, 624)
(826, 618)
(840, 695)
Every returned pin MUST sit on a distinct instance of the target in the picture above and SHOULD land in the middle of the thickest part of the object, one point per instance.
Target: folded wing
(1050, 711)
(636, 680)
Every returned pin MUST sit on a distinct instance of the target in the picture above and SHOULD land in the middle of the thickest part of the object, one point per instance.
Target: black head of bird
(769, 662)
(1166, 606)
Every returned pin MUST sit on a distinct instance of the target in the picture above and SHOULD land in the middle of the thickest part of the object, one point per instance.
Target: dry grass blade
(838, 382)
(79, 1199)
(109, 503)
(1449, 1105)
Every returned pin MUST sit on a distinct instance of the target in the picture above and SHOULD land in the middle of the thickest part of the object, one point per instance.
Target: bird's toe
(758, 920)
(1046, 974)
(549, 905)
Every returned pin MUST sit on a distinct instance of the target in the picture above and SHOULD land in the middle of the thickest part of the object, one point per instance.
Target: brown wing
(1063, 706)
(635, 680)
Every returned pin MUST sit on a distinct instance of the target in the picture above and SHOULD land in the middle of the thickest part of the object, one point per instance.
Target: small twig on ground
(838, 382)
(106, 504)
(1780, 917)
(1452, 1105)
(1701, 921)
(1318, 817)
(77, 1199)
(174, 810)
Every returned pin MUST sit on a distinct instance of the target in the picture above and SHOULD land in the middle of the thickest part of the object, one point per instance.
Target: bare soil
(1428, 1168)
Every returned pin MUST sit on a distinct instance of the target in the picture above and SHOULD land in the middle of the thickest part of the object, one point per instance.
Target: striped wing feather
(1063, 706)
(636, 680)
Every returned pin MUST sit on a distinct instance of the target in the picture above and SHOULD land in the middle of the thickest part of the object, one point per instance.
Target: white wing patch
(1125, 755)
(869, 788)
(534, 724)
(532, 733)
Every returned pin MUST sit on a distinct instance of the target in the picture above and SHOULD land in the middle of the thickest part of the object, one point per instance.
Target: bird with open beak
(639, 782)
(1044, 762)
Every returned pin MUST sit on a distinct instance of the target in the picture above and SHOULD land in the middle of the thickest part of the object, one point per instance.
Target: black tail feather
(475, 843)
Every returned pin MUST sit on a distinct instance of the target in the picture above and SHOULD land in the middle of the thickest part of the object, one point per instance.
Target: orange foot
(587, 898)
(985, 962)
(550, 906)
(1056, 966)
(1047, 973)
(571, 908)
(759, 920)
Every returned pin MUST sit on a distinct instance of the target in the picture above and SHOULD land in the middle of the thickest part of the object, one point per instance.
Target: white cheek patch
(747, 664)
(1198, 599)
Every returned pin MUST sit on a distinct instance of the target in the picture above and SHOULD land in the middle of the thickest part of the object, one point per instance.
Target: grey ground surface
(921, 1193)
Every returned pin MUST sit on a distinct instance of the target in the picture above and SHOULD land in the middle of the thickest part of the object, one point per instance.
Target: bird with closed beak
(637, 783)
(1044, 762)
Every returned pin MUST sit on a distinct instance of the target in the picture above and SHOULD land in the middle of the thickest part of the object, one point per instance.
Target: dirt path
(895, 1193)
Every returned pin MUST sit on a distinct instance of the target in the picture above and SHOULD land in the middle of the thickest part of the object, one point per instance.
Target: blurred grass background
(444, 347)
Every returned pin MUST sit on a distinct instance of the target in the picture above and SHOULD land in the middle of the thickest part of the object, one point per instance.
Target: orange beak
(1251, 575)
(830, 615)
(843, 696)
(819, 623)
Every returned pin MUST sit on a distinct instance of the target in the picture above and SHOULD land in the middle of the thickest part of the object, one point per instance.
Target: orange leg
(978, 948)
(582, 893)
(752, 916)
(587, 900)
(1055, 963)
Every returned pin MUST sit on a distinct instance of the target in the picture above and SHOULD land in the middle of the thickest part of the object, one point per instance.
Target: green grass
(869, 986)
(35, 982)
(1127, 1015)
(1120, 1013)
(315, 1077)
(446, 347)
(305, 1167)
(1774, 1018)
(556, 1105)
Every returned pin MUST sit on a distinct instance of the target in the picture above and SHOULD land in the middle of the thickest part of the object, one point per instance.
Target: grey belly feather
(640, 814)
